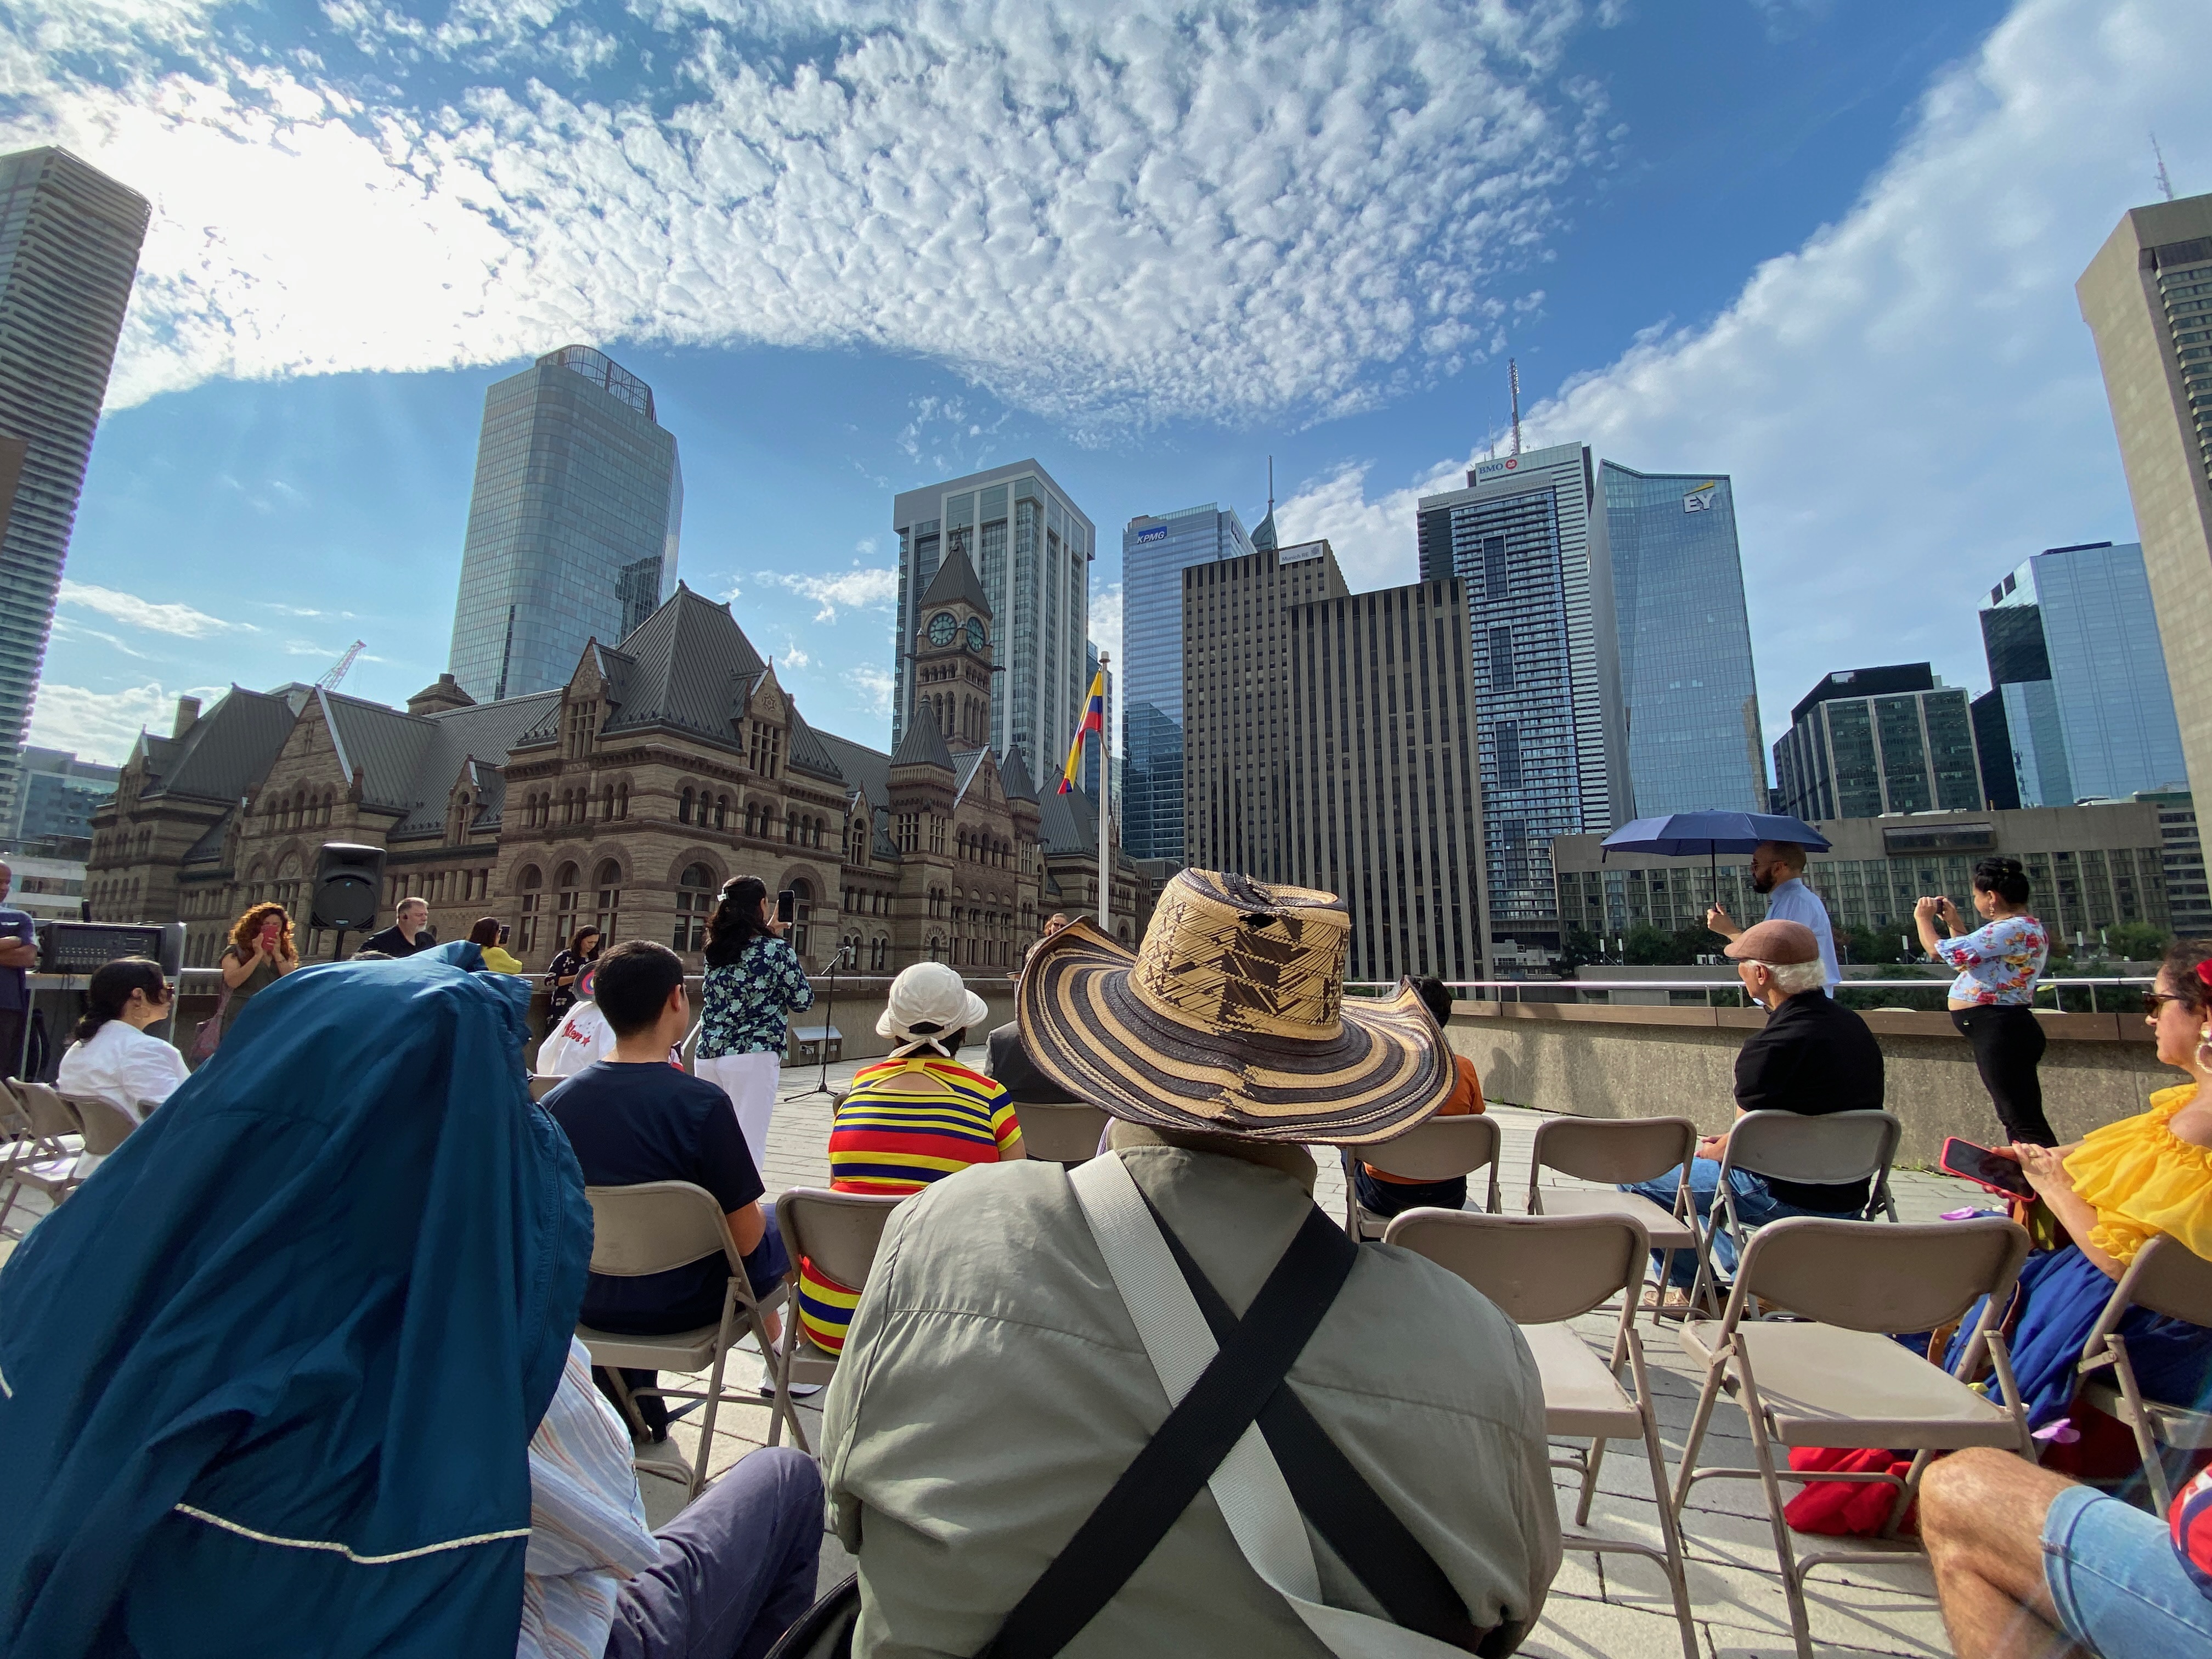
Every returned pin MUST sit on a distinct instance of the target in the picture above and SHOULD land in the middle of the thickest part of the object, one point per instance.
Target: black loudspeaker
(348, 878)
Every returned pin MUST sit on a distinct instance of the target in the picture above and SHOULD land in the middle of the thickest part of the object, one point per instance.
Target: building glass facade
(2072, 641)
(58, 794)
(1685, 642)
(1033, 547)
(1529, 544)
(1870, 741)
(69, 251)
(1155, 550)
(573, 523)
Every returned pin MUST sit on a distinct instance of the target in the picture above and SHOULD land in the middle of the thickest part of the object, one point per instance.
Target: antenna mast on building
(1270, 475)
(338, 669)
(2165, 184)
(1513, 382)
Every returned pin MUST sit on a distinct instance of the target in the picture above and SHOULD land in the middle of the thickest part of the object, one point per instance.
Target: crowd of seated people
(298, 1367)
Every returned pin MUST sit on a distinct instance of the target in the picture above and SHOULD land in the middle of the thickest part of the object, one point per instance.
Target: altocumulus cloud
(859, 589)
(1107, 216)
(180, 620)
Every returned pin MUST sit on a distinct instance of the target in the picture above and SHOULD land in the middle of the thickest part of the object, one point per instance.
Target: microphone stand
(829, 1020)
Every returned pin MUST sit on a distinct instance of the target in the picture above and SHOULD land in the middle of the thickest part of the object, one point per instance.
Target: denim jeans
(1754, 1207)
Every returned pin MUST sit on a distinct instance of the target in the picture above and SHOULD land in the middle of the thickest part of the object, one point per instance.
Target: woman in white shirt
(112, 1057)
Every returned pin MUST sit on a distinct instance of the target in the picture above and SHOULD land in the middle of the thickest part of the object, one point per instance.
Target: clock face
(941, 630)
(976, 637)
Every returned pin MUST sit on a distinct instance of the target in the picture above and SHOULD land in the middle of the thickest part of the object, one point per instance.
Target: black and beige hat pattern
(1231, 1019)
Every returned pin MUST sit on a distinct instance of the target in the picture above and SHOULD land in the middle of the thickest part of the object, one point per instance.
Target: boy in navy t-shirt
(633, 1118)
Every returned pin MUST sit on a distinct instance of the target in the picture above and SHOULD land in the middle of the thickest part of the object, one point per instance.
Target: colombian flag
(1094, 720)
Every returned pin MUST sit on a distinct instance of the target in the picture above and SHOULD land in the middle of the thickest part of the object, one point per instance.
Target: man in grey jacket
(995, 1385)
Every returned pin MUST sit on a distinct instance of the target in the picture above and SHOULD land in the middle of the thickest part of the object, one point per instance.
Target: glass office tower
(1685, 642)
(573, 525)
(1031, 547)
(69, 251)
(2073, 647)
(1155, 550)
(1867, 741)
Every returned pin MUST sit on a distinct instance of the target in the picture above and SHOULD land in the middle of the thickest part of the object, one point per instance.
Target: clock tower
(952, 654)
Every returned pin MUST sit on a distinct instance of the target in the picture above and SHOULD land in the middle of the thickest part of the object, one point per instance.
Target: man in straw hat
(1011, 1363)
(1814, 1056)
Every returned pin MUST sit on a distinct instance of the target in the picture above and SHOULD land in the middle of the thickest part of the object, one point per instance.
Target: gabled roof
(409, 762)
(922, 745)
(955, 583)
(1014, 777)
(868, 770)
(208, 850)
(965, 765)
(1069, 823)
(228, 750)
(810, 755)
(685, 667)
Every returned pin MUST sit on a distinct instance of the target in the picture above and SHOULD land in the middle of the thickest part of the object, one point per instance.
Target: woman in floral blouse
(754, 981)
(1992, 1000)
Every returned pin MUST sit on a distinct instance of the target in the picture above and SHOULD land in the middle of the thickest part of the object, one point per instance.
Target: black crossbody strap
(1346, 1511)
(1184, 1451)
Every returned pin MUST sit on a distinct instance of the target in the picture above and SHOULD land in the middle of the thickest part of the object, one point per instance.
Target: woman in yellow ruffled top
(2113, 1191)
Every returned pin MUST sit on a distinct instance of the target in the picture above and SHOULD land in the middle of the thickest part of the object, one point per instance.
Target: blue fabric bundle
(268, 1379)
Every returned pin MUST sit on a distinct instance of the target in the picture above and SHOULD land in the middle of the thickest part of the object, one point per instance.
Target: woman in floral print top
(754, 982)
(1992, 999)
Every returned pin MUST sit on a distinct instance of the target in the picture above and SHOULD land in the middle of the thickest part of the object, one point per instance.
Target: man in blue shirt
(1778, 870)
(19, 952)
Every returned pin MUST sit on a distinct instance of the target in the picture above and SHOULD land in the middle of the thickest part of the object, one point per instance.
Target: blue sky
(1825, 248)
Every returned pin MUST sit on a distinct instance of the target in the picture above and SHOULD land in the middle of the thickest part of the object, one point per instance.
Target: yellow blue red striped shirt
(906, 1123)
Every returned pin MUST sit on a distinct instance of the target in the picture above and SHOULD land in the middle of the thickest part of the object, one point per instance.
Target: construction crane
(338, 669)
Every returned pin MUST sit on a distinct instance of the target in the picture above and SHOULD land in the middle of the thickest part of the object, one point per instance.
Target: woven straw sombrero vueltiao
(1231, 1019)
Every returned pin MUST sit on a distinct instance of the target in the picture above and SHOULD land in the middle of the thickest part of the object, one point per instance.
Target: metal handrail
(1494, 990)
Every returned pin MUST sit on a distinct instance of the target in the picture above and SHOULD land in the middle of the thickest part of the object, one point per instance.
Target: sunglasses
(2155, 1001)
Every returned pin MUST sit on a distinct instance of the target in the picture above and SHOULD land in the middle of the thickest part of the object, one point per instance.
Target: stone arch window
(532, 883)
(329, 801)
(566, 882)
(606, 802)
(622, 800)
(790, 826)
(695, 897)
(721, 812)
(606, 884)
(802, 912)
(684, 805)
(936, 948)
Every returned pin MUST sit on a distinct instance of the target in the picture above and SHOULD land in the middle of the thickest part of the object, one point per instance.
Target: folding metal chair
(1833, 1150)
(838, 1233)
(106, 1126)
(1834, 1378)
(1619, 1151)
(1542, 1271)
(46, 1158)
(1060, 1132)
(652, 1228)
(2167, 1277)
(1435, 1149)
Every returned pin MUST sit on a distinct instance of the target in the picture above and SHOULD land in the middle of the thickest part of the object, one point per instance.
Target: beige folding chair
(1435, 1149)
(1060, 1132)
(1542, 1271)
(542, 1085)
(46, 1161)
(652, 1228)
(838, 1233)
(2167, 1277)
(1617, 1151)
(106, 1126)
(1833, 1150)
(1834, 1378)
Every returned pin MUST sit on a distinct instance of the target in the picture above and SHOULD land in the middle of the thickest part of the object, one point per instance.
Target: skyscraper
(1155, 552)
(2072, 641)
(1527, 539)
(68, 249)
(1033, 547)
(2147, 297)
(1685, 642)
(1867, 741)
(573, 524)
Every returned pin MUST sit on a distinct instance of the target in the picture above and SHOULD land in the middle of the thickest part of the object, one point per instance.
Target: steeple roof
(1014, 777)
(1263, 539)
(922, 743)
(957, 583)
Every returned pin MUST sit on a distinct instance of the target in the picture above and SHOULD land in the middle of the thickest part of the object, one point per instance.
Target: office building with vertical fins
(573, 523)
(2147, 297)
(70, 237)
(1031, 547)
(1328, 744)
(1866, 742)
(1155, 550)
(1528, 540)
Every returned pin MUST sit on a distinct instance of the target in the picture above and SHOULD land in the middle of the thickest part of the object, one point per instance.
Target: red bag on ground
(1846, 1508)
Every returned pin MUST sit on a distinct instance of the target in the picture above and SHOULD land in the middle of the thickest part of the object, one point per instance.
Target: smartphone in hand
(786, 905)
(1984, 1168)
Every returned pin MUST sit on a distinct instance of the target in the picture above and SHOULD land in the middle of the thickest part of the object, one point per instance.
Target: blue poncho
(267, 1379)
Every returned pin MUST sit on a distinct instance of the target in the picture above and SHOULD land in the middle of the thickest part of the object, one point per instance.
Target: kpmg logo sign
(1485, 471)
(1159, 532)
(1704, 498)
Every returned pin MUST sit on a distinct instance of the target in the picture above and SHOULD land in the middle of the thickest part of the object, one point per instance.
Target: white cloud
(101, 726)
(793, 656)
(878, 688)
(1106, 619)
(1909, 403)
(857, 589)
(1105, 215)
(180, 620)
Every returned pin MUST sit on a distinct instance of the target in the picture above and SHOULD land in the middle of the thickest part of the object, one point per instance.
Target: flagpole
(1105, 820)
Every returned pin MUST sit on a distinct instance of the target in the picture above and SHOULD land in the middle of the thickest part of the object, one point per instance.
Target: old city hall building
(622, 801)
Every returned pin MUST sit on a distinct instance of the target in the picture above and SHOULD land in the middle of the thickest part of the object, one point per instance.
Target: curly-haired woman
(259, 954)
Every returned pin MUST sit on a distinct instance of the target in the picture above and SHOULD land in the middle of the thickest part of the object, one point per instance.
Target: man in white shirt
(1778, 870)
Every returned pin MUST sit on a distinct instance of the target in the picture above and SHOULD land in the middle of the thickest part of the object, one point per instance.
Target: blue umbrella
(1685, 835)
